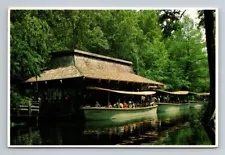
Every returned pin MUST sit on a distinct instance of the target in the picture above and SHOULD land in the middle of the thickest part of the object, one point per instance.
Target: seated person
(129, 104)
(115, 105)
(97, 104)
(121, 105)
(133, 106)
(125, 105)
(109, 105)
(158, 99)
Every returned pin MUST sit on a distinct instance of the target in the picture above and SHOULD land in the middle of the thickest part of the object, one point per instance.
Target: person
(167, 99)
(109, 105)
(158, 99)
(121, 105)
(97, 104)
(129, 104)
(133, 106)
(124, 104)
(178, 99)
(152, 101)
(143, 98)
(164, 99)
(115, 105)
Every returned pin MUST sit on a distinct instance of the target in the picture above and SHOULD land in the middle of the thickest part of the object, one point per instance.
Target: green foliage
(17, 99)
(174, 57)
(28, 47)
(169, 21)
(28, 50)
(188, 65)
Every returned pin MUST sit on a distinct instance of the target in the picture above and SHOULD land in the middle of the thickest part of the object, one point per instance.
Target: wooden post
(37, 94)
(29, 110)
(18, 135)
(17, 110)
(30, 136)
(108, 97)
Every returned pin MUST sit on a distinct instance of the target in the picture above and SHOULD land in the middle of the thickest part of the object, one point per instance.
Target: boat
(201, 102)
(120, 114)
(179, 100)
(197, 105)
(173, 102)
(170, 107)
(115, 123)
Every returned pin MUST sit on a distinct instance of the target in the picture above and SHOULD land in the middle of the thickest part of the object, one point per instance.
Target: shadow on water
(167, 128)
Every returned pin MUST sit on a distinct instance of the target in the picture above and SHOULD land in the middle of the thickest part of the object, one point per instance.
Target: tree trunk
(210, 42)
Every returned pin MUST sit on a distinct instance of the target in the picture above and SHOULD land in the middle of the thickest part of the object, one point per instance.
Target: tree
(154, 56)
(169, 21)
(209, 21)
(188, 59)
(28, 50)
(176, 60)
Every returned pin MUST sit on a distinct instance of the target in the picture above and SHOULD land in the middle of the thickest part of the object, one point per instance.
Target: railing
(35, 103)
(26, 110)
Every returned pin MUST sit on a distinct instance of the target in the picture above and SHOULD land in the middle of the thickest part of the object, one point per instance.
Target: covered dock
(63, 86)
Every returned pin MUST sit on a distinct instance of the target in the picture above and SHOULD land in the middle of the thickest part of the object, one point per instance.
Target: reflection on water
(167, 128)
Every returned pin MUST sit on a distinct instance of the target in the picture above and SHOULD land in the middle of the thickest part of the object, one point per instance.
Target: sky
(192, 13)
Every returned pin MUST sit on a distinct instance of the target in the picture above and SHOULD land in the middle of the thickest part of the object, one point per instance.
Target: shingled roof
(93, 66)
(57, 74)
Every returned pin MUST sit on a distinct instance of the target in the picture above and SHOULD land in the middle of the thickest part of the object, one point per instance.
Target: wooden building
(63, 84)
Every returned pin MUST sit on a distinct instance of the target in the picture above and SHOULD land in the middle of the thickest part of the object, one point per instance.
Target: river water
(170, 126)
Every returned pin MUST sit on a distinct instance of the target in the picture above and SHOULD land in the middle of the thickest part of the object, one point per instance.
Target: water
(169, 127)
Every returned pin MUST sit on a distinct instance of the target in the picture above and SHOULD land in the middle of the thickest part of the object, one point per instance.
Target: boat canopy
(174, 93)
(124, 92)
(200, 94)
(182, 92)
